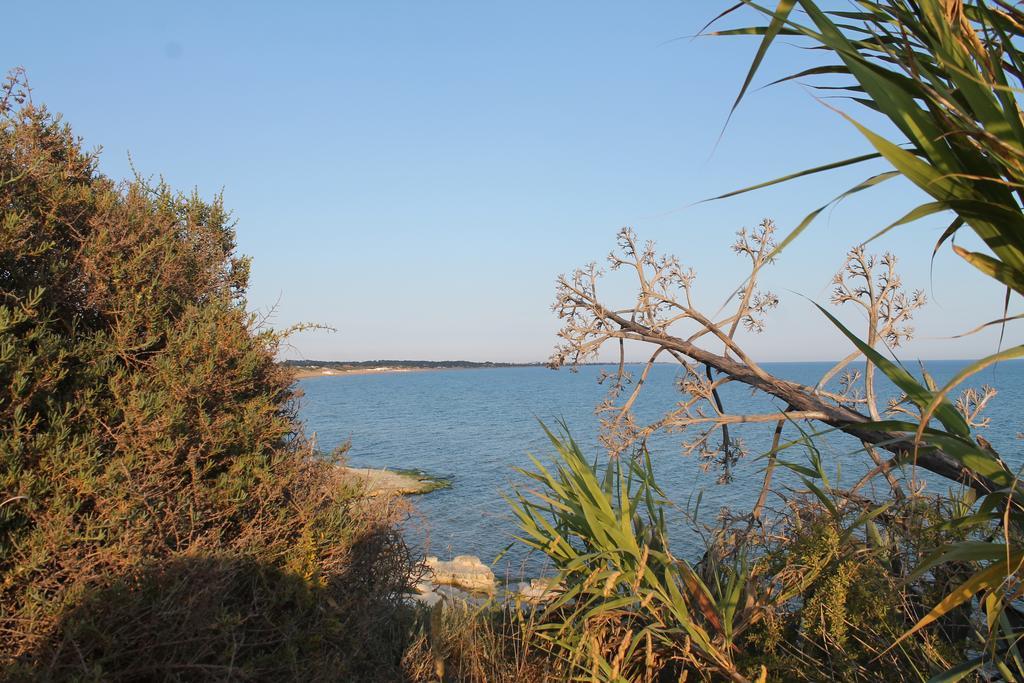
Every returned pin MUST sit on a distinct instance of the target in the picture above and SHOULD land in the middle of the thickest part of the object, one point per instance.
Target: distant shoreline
(318, 368)
(309, 369)
(306, 373)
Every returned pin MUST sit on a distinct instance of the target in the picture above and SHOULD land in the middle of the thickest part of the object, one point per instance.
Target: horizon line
(628, 362)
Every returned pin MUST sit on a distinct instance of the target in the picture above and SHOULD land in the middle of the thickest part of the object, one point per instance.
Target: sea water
(475, 427)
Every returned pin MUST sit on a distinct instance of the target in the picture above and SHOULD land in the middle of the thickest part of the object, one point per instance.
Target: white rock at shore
(465, 571)
(539, 591)
(427, 594)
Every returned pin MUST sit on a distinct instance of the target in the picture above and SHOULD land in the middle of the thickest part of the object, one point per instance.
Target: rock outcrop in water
(465, 571)
(465, 578)
(396, 482)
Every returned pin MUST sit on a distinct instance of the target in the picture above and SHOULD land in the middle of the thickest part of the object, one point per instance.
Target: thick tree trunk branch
(801, 398)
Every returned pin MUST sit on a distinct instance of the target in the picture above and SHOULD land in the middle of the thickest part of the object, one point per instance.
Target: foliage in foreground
(820, 593)
(492, 643)
(840, 584)
(160, 514)
(947, 75)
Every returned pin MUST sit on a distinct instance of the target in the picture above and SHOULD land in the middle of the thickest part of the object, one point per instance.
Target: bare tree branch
(665, 300)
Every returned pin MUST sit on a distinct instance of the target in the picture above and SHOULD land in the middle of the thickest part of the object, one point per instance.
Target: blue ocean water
(476, 426)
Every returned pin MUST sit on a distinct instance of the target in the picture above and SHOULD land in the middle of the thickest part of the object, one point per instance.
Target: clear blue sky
(417, 174)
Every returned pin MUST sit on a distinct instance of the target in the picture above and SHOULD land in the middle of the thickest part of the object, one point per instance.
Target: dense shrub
(160, 512)
(819, 589)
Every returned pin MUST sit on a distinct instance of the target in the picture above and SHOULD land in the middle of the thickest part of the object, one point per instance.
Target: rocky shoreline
(464, 578)
(396, 482)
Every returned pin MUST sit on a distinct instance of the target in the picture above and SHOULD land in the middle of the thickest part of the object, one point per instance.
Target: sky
(415, 175)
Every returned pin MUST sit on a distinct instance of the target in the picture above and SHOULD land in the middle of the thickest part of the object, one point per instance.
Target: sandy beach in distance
(305, 373)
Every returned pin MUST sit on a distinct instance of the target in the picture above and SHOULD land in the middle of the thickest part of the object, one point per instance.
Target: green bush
(820, 589)
(149, 445)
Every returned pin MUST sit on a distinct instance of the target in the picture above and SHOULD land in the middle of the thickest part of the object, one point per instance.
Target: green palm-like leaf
(603, 529)
(964, 136)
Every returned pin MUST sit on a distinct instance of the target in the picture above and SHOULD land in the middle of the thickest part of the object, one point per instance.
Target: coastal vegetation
(163, 515)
